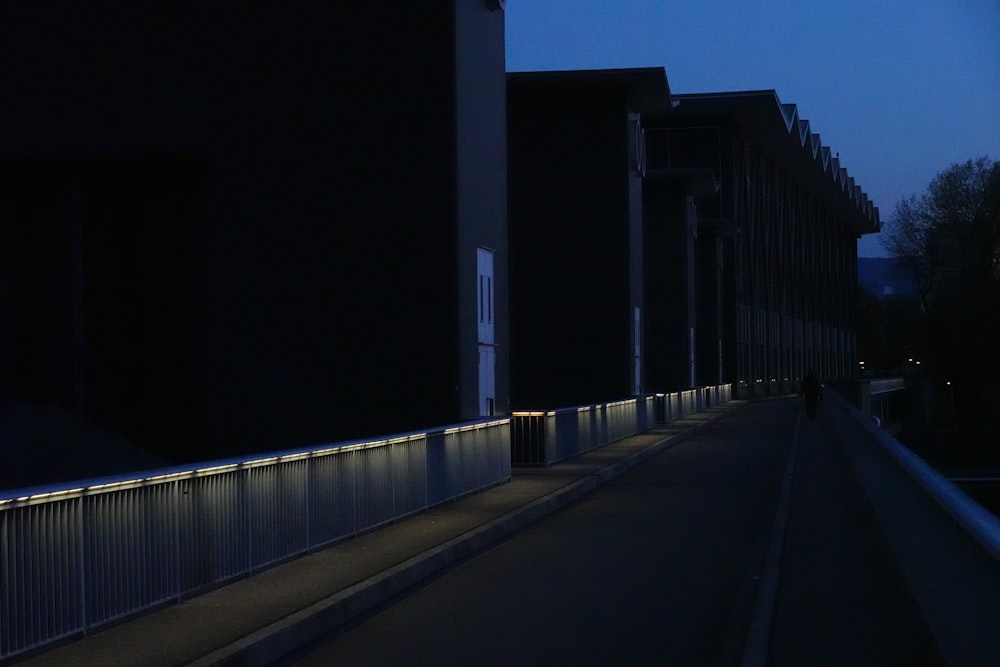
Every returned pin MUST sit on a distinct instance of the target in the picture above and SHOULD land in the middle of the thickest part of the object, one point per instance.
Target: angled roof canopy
(789, 139)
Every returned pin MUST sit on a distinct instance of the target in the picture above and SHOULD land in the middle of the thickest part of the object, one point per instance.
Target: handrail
(946, 544)
(84, 486)
(981, 524)
(543, 437)
(78, 555)
(887, 385)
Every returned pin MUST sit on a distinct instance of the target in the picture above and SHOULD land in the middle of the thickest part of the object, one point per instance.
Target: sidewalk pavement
(842, 597)
(258, 619)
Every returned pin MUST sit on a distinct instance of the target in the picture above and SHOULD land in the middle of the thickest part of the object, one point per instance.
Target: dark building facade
(678, 278)
(776, 251)
(576, 225)
(230, 231)
(660, 242)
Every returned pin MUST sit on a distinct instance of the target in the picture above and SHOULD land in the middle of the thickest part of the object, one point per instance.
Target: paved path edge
(278, 639)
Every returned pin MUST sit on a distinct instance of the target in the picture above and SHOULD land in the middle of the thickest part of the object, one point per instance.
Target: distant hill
(883, 276)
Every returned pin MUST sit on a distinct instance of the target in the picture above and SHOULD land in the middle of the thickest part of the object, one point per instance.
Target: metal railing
(886, 385)
(545, 437)
(947, 545)
(76, 557)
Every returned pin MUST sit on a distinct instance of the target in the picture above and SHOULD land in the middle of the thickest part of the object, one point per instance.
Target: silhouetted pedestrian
(812, 390)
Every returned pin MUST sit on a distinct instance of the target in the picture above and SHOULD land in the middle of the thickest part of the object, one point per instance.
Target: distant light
(909, 359)
(948, 383)
(917, 363)
(861, 363)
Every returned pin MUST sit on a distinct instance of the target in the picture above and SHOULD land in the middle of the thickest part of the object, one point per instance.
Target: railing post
(308, 504)
(178, 567)
(81, 561)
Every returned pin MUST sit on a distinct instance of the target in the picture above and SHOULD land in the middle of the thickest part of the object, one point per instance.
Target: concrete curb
(755, 651)
(280, 638)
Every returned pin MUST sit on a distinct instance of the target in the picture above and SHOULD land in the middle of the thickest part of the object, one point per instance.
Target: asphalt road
(658, 567)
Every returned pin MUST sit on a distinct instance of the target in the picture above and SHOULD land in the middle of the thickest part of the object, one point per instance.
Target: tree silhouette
(948, 239)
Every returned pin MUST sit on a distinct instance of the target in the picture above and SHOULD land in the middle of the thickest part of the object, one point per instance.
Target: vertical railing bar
(128, 547)
(5, 630)
(45, 570)
(22, 610)
(273, 512)
(392, 477)
(119, 541)
(122, 554)
(35, 538)
(58, 570)
(270, 508)
(164, 541)
(41, 567)
(150, 559)
(112, 593)
(27, 557)
(308, 503)
(38, 569)
(354, 491)
(98, 597)
(427, 474)
(136, 550)
(17, 615)
(111, 519)
(5, 615)
(66, 561)
(178, 553)
(151, 580)
(247, 523)
(153, 571)
(81, 562)
(260, 502)
(30, 580)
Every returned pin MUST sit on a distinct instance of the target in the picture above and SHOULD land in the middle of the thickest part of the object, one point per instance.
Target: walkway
(832, 595)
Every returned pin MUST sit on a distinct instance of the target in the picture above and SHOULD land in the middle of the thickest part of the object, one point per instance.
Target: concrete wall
(708, 346)
(482, 188)
(670, 284)
(571, 225)
(321, 234)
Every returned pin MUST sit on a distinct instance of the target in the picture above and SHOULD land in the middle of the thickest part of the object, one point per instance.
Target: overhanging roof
(698, 181)
(647, 87)
(788, 138)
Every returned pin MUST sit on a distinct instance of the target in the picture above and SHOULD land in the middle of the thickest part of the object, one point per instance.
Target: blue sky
(901, 89)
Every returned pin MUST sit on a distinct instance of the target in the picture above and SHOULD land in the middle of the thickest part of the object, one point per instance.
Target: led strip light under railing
(159, 476)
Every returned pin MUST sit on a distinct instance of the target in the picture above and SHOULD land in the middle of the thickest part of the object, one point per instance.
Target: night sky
(900, 89)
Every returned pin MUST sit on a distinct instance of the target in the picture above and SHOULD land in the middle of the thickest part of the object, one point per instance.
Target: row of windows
(773, 328)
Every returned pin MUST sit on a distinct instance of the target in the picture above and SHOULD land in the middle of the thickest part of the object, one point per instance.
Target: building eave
(790, 139)
(647, 87)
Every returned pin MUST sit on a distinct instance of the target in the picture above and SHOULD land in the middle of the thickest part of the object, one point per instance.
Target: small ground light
(910, 359)
(948, 383)
(917, 363)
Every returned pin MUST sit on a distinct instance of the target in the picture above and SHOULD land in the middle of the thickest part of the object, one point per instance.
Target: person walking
(812, 390)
